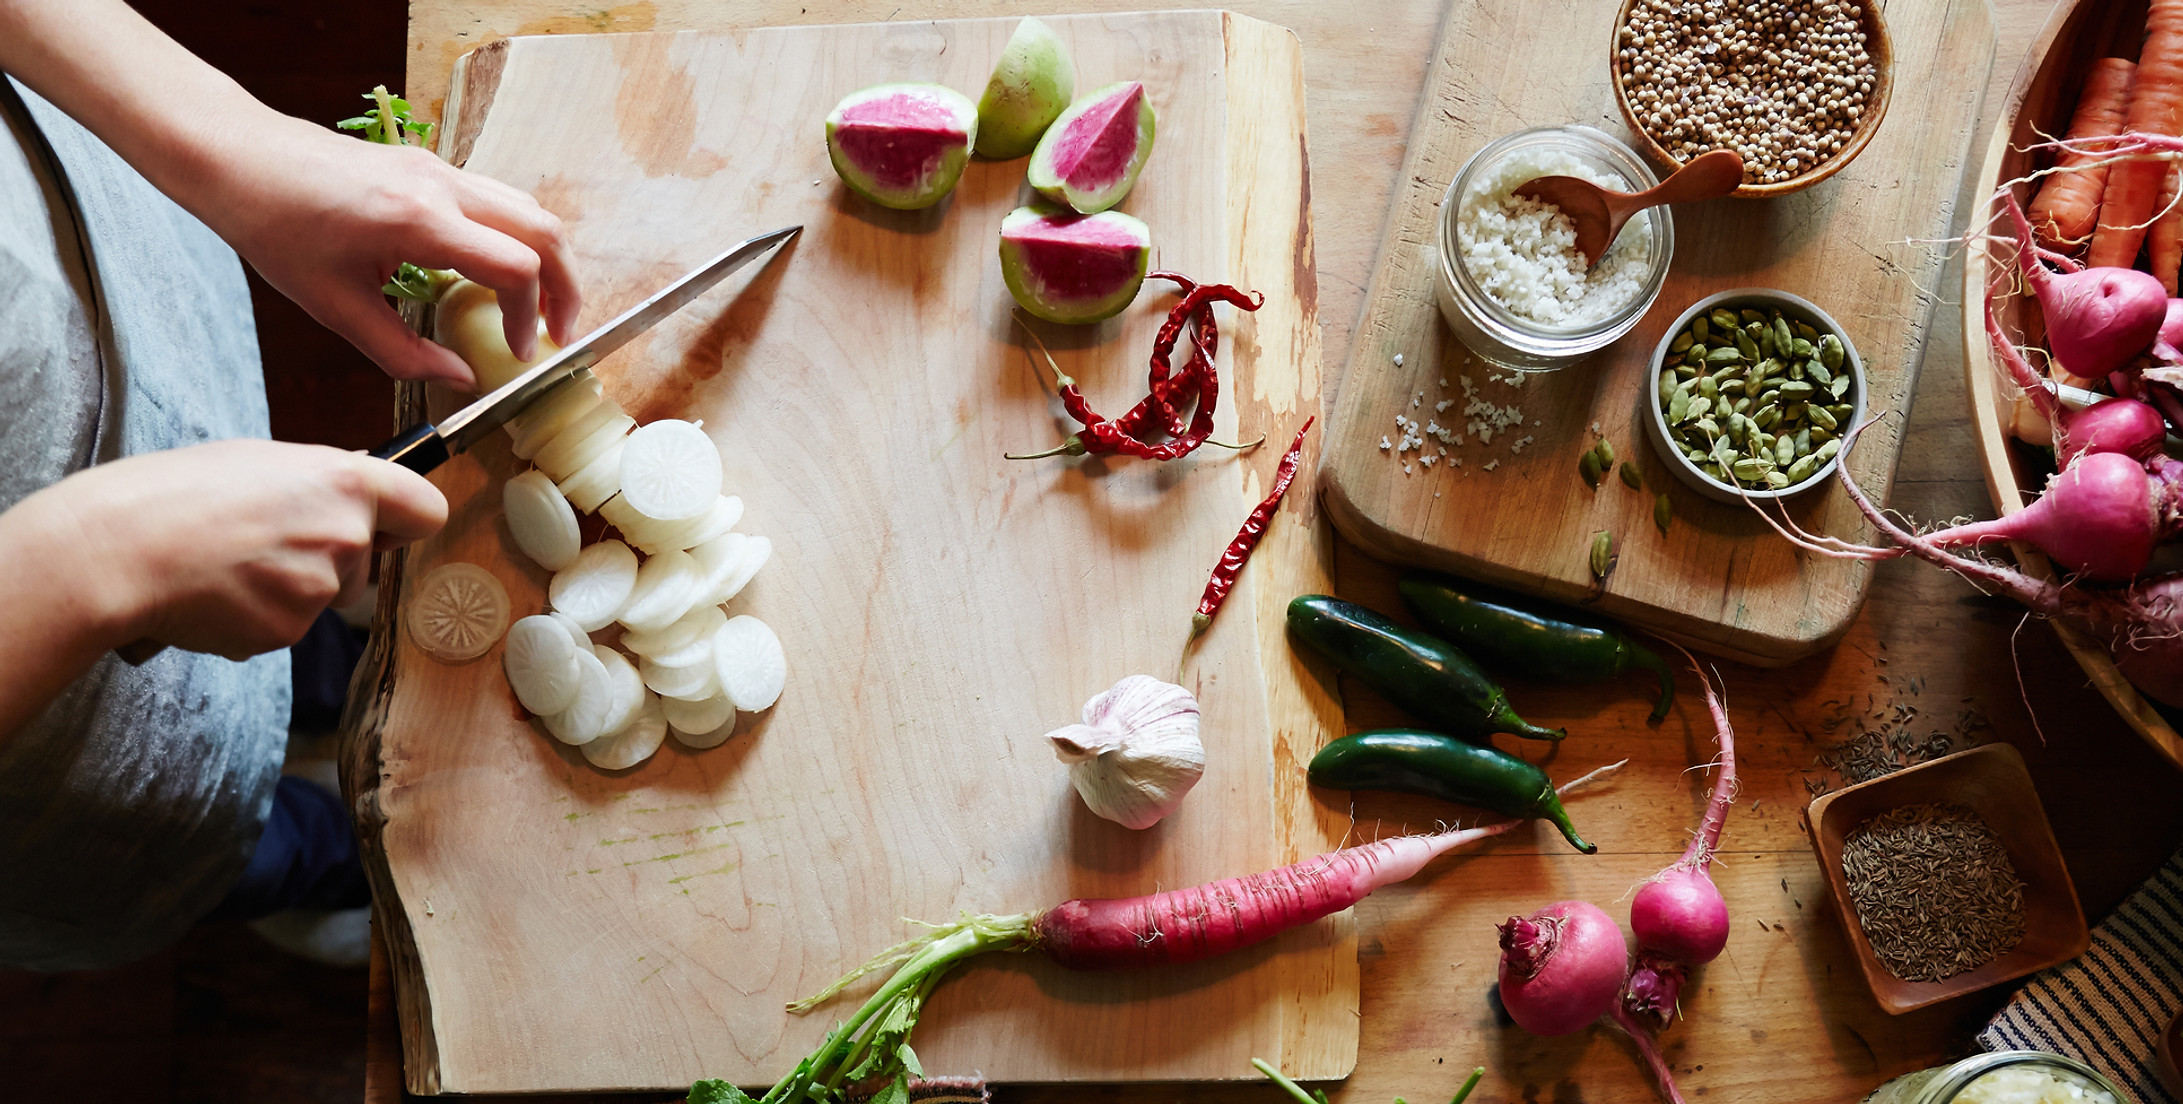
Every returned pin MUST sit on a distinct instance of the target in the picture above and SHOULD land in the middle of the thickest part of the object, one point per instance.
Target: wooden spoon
(1599, 213)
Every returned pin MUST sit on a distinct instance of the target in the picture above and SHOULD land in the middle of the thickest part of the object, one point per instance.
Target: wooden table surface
(1924, 641)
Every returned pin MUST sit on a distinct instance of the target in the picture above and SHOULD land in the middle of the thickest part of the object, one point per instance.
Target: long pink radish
(1678, 915)
(1159, 929)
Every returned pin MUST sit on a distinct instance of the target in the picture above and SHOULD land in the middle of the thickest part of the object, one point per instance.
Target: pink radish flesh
(2127, 426)
(2097, 319)
(2168, 346)
(1079, 257)
(2100, 518)
(1678, 916)
(1561, 967)
(1098, 145)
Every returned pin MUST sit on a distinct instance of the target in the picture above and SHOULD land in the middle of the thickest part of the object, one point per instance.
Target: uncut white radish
(751, 665)
(594, 589)
(633, 744)
(1679, 917)
(2141, 625)
(1157, 930)
(540, 520)
(541, 663)
(671, 470)
(467, 320)
(456, 612)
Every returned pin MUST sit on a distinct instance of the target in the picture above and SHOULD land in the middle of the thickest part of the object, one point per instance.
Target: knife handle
(420, 449)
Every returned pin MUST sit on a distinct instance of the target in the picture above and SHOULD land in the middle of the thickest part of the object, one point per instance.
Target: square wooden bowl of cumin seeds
(1935, 885)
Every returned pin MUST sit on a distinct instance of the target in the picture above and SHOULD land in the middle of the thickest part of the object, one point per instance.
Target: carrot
(2164, 242)
(1161, 929)
(2156, 107)
(2068, 203)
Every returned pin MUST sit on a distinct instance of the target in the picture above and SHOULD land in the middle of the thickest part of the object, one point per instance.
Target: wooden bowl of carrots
(2042, 103)
(1877, 44)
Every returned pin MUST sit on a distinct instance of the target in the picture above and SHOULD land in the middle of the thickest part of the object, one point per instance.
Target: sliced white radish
(575, 629)
(584, 720)
(652, 535)
(594, 589)
(753, 668)
(671, 470)
(722, 559)
(700, 724)
(629, 692)
(540, 520)
(728, 580)
(597, 481)
(567, 453)
(697, 653)
(547, 417)
(698, 624)
(586, 421)
(541, 664)
(457, 611)
(690, 683)
(634, 743)
(669, 585)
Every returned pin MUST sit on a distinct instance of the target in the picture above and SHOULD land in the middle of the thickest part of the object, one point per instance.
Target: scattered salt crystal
(1406, 469)
(1458, 461)
(1386, 444)
(1442, 406)
(1398, 360)
(1443, 381)
(1428, 461)
(1492, 464)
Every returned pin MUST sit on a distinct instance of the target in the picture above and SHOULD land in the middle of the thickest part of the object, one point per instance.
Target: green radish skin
(1090, 157)
(1031, 85)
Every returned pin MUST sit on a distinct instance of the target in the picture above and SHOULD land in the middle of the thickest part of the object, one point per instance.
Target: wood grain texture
(1865, 247)
(1923, 640)
(2039, 103)
(558, 928)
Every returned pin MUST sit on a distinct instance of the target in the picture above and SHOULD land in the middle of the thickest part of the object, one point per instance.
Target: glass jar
(1945, 1084)
(1503, 337)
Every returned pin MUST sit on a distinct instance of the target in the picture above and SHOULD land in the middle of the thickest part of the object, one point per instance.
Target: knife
(427, 446)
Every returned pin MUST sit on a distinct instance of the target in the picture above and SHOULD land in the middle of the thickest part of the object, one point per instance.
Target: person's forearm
(61, 606)
(167, 113)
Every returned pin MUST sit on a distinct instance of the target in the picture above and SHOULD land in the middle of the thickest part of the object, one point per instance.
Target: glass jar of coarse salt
(2002, 1077)
(1511, 283)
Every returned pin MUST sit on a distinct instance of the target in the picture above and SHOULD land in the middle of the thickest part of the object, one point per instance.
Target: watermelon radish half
(902, 145)
(1072, 268)
(1088, 159)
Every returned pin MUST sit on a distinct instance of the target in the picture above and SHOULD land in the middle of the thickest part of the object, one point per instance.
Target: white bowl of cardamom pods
(1752, 391)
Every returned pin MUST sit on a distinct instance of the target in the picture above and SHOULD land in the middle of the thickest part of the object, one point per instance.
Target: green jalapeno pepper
(1423, 674)
(1440, 766)
(1531, 638)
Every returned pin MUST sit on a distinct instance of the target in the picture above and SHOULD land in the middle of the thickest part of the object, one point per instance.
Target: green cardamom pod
(1708, 387)
(1606, 451)
(1764, 335)
(1820, 433)
(1798, 369)
(1722, 320)
(1727, 354)
(1840, 386)
(1696, 456)
(1663, 512)
(1749, 468)
(1841, 411)
(1796, 390)
(1588, 467)
(1818, 373)
(1802, 349)
(1682, 341)
(1767, 416)
(1678, 406)
(1708, 428)
(1803, 468)
(1746, 346)
(1803, 441)
(1820, 417)
(1785, 449)
(1698, 328)
(1750, 316)
(1603, 555)
(1807, 331)
(1830, 351)
(1776, 480)
(1783, 339)
(1631, 477)
(1826, 452)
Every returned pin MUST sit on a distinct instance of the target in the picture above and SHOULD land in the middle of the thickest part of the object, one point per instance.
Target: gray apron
(132, 803)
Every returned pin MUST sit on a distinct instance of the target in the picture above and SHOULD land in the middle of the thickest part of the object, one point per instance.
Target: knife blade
(425, 447)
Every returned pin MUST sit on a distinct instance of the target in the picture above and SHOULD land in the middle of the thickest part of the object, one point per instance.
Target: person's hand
(233, 547)
(326, 218)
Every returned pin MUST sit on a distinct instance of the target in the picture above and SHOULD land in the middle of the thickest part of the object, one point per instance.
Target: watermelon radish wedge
(1072, 268)
(902, 145)
(1088, 159)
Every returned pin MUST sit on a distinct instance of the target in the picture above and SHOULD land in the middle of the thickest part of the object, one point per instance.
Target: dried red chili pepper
(1238, 552)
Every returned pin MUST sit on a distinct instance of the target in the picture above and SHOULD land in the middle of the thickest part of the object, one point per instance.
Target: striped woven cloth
(2108, 1007)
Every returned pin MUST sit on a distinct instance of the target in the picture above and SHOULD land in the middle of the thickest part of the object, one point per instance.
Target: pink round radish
(902, 145)
(1090, 157)
(2100, 518)
(1678, 915)
(1072, 268)
(1561, 967)
(2097, 319)
(2122, 425)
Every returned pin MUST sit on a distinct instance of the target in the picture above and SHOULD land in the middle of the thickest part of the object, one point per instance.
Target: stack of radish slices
(659, 485)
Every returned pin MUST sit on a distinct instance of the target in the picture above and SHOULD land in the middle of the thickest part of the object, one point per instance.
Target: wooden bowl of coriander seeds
(1797, 87)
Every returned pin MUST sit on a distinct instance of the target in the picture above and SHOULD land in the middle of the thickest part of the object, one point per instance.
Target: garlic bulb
(1137, 752)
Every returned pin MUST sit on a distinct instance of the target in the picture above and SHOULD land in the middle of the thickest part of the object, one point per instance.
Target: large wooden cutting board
(555, 927)
(1866, 245)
